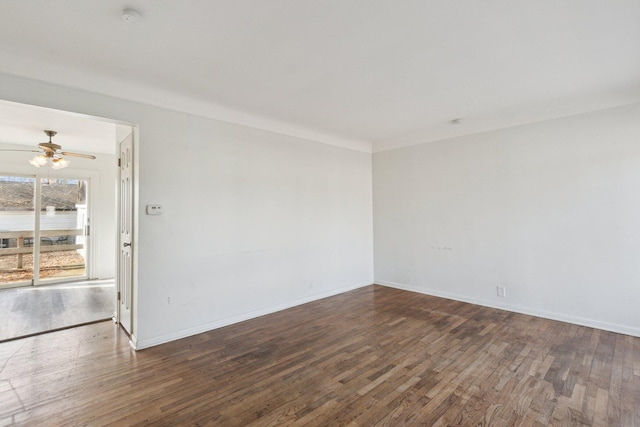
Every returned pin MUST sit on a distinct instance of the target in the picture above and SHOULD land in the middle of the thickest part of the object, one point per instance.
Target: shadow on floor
(33, 310)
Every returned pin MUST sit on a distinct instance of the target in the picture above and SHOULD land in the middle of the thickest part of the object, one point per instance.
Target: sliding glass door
(44, 226)
(63, 227)
(17, 229)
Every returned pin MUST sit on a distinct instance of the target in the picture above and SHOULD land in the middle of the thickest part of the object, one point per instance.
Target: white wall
(102, 173)
(549, 210)
(254, 221)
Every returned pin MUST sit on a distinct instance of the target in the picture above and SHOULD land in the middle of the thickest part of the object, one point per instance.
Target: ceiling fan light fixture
(51, 154)
(59, 163)
(38, 160)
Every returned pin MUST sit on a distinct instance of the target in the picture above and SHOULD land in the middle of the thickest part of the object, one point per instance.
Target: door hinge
(119, 162)
(87, 230)
(118, 295)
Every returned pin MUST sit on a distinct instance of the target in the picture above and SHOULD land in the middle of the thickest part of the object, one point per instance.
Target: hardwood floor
(373, 356)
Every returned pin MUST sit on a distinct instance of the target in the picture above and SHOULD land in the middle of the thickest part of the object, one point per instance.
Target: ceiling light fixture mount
(131, 16)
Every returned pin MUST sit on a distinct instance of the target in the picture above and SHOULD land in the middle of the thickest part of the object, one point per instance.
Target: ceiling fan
(52, 153)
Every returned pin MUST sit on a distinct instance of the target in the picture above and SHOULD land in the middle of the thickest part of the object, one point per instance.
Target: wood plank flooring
(373, 356)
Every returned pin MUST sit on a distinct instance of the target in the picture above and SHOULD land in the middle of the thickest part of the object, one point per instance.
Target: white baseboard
(161, 339)
(612, 327)
(133, 342)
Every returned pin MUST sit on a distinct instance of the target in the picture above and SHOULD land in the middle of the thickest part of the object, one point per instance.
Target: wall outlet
(502, 291)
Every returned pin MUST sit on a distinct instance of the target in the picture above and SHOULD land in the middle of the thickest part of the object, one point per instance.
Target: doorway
(68, 238)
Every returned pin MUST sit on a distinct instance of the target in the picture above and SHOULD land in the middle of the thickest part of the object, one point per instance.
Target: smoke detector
(131, 16)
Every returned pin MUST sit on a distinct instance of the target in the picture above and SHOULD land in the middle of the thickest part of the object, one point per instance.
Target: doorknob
(126, 244)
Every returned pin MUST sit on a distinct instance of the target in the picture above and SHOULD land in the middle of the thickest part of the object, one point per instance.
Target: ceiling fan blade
(48, 147)
(29, 151)
(84, 156)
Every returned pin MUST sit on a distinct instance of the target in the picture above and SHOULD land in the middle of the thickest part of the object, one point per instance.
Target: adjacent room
(57, 219)
(326, 213)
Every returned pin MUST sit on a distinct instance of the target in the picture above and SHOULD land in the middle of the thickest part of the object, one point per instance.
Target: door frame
(11, 167)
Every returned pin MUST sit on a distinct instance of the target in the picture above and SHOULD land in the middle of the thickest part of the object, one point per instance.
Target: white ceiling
(385, 72)
(24, 125)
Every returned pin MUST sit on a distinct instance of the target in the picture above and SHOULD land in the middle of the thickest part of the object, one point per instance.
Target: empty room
(329, 213)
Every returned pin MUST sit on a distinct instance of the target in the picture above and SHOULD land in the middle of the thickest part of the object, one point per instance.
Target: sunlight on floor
(32, 310)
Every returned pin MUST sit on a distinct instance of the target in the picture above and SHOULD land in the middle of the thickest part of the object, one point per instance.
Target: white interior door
(125, 220)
